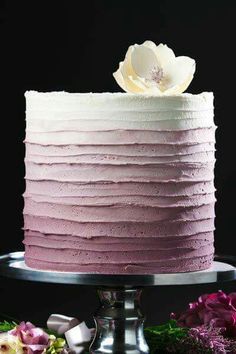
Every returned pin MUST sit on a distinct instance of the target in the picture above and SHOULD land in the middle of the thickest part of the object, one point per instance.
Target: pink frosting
(148, 150)
(129, 213)
(136, 200)
(119, 200)
(48, 225)
(105, 189)
(126, 173)
(167, 266)
(103, 243)
(120, 137)
(84, 257)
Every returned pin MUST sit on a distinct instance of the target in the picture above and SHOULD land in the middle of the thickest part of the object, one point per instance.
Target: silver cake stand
(119, 320)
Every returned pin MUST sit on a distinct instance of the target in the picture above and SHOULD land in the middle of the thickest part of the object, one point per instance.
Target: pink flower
(34, 340)
(217, 310)
(203, 339)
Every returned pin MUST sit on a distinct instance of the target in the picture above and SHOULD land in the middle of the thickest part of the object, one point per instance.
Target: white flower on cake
(155, 70)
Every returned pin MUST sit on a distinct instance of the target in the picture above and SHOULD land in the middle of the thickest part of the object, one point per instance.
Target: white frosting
(60, 102)
(64, 118)
(101, 124)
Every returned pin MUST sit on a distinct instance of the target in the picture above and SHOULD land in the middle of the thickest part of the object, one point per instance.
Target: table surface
(12, 265)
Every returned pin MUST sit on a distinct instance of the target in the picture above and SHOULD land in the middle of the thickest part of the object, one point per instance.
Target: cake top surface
(65, 101)
(123, 95)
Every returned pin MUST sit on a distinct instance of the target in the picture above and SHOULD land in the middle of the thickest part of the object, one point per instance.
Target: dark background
(75, 46)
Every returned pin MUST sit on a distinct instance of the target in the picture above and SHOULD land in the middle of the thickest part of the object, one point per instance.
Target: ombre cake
(119, 183)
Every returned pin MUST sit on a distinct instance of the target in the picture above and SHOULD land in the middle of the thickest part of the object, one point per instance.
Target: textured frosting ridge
(119, 183)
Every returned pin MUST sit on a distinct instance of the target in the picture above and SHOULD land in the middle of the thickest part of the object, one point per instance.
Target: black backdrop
(75, 46)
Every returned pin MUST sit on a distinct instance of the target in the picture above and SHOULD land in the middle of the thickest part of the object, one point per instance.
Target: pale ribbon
(76, 333)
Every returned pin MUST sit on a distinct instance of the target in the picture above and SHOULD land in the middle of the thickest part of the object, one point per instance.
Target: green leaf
(6, 326)
(162, 337)
(56, 346)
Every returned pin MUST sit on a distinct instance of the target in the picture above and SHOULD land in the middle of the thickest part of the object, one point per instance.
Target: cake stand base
(119, 320)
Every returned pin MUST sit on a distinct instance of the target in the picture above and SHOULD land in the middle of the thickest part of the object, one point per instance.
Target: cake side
(119, 183)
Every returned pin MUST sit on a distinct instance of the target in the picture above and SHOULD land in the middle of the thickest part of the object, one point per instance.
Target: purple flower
(205, 338)
(34, 339)
(216, 310)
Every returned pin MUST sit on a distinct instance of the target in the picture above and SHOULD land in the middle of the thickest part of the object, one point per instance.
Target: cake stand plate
(12, 265)
(119, 320)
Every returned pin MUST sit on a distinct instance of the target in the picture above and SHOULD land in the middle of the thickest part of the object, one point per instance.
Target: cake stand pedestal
(119, 320)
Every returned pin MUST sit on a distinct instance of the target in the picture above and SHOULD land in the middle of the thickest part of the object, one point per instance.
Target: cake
(119, 182)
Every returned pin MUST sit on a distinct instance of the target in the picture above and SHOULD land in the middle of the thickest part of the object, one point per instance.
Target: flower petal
(154, 70)
(178, 72)
(119, 78)
(164, 54)
(153, 91)
(132, 84)
(143, 60)
(232, 297)
(126, 77)
(150, 44)
(178, 89)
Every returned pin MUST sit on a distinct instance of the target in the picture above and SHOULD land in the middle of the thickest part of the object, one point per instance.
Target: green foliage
(57, 344)
(170, 338)
(165, 337)
(6, 326)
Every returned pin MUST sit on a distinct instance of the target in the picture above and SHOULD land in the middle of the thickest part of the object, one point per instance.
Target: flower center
(4, 348)
(156, 74)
